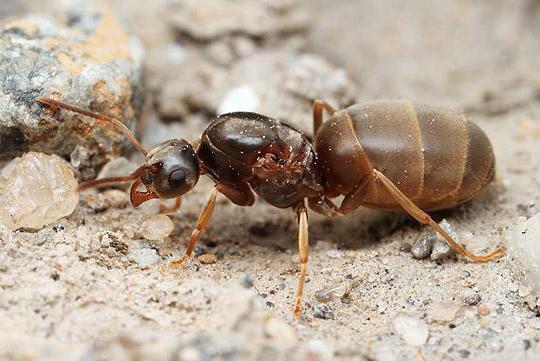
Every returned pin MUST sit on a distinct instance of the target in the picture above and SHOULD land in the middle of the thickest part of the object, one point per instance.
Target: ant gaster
(381, 154)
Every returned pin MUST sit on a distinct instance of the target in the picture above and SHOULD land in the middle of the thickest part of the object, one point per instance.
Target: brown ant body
(383, 154)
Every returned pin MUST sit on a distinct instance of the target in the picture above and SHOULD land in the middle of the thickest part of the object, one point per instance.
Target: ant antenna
(53, 104)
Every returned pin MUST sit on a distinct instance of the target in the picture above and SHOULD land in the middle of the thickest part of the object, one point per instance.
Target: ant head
(171, 169)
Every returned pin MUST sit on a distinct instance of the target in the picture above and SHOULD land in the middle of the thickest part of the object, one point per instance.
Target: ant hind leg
(424, 218)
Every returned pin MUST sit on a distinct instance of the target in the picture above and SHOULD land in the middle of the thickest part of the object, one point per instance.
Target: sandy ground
(89, 286)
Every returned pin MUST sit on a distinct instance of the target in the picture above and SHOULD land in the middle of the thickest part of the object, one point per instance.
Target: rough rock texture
(84, 59)
(36, 189)
(257, 19)
(525, 245)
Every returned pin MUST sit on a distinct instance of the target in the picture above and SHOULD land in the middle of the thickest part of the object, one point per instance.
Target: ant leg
(424, 218)
(303, 248)
(202, 222)
(240, 194)
(166, 209)
(351, 202)
(318, 107)
(53, 104)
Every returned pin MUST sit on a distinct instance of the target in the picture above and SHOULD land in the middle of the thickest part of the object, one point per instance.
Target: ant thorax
(276, 160)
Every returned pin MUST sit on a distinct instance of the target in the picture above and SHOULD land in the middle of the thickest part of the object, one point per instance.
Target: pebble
(412, 330)
(83, 58)
(278, 329)
(36, 189)
(443, 312)
(524, 246)
(422, 248)
(116, 167)
(434, 245)
(483, 310)
(470, 297)
(246, 280)
(334, 253)
(243, 98)
(157, 227)
(441, 249)
(207, 258)
(117, 198)
(144, 256)
(323, 312)
(331, 292)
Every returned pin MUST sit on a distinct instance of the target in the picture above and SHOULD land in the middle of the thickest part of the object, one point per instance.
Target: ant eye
(177, 178)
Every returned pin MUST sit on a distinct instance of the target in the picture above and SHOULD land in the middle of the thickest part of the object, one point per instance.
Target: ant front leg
(303, 248)
(202, 223)
(166, 209)
(318, 107)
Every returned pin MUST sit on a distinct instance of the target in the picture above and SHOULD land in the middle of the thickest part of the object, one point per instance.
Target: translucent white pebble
(242, 98)
(157, 227)
(412, 330)
(524, 244)
(35, 190)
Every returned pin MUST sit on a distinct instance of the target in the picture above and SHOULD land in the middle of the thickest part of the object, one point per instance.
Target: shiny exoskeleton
(382, 154)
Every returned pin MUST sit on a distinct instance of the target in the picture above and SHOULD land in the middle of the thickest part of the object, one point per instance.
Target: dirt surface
(90, 287)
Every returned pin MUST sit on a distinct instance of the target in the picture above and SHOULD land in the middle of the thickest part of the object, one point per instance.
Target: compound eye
(177, 178)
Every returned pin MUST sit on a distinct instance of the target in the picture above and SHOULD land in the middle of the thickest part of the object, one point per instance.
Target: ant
(383, 154)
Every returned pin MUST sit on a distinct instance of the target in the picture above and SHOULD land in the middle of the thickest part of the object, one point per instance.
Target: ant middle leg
(303, 248)
(166, 209)
(202, 223)
(424, 218)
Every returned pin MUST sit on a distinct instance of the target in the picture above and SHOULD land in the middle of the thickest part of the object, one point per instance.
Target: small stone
(334, 253)
(117, 198)
(470, 297)
(316, 350)
(246, 280)
(157, 227)
(482, 310)
(84, 58)
(412, 330)
(441, 249)
(116, 167)
(443, 312)
(323, 312)
(280, 331)
(222, 18)
(524, 246)
(144, 256)
(36, 189)
(96, 202)
(422, 248)
(338, 290)
(207, 258)
(243, 98)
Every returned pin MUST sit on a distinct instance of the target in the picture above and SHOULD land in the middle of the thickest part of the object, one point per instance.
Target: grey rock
(87, 61)
(285, 92)
(441, 249)
(422, 248)
(323, 312)
(470, 297)
(117, 167)
(212, 19)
